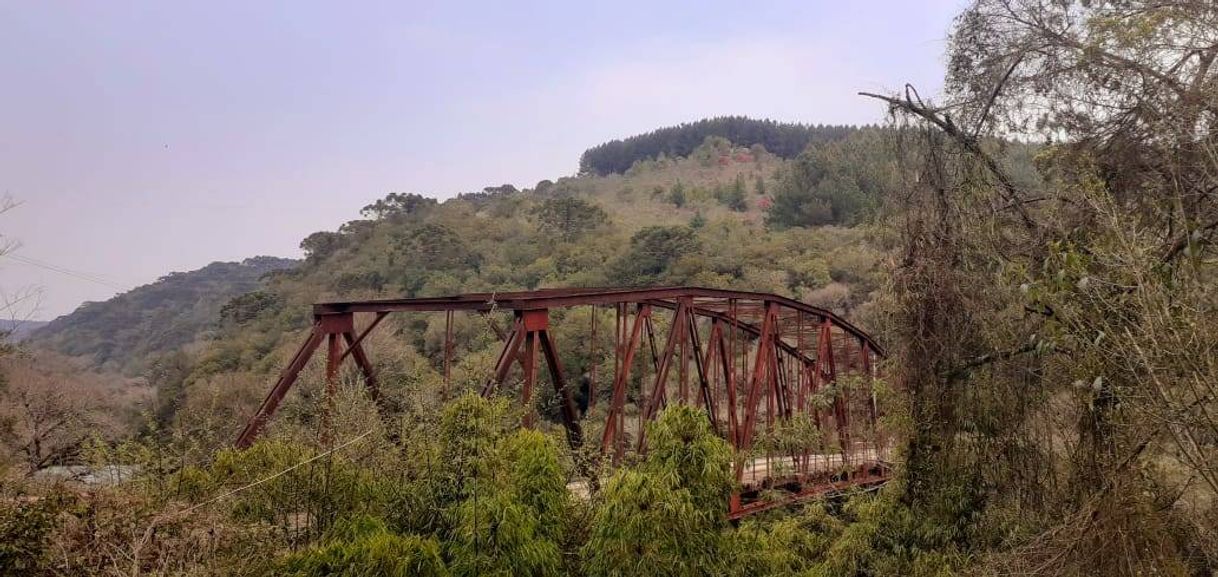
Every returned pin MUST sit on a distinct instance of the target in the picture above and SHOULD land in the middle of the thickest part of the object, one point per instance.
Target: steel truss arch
(761, 362)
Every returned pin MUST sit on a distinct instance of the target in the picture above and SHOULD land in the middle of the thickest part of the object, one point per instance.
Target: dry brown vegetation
(50, 407)
(1058, 340)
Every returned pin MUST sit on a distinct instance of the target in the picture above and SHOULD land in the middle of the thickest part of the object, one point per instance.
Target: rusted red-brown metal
(757, 362)
(286, 379)
(333, 351)
(592, 360)
(615, 421)
(448, 348)
(356, 350)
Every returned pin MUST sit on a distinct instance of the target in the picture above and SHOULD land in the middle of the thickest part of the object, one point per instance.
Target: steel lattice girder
(796, 350)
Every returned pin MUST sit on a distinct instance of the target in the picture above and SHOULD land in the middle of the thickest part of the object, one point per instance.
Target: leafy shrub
(667, 517)
(648, 525)
(364, 547)
(24, 528)
(683, 447)
(677, 195)
(653, 251)
(497, 534)
(568, 217)
(785, 546)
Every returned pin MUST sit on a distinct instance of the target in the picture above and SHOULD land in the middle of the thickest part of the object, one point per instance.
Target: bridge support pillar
(329, 328)
(531, 330)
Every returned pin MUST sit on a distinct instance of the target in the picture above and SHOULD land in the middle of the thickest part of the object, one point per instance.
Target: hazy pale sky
(144, 138)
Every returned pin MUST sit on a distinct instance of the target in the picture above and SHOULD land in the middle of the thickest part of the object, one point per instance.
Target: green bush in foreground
(666, 517)
(364, 547)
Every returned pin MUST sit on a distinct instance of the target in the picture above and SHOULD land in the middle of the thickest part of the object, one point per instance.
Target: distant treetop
(783, 139)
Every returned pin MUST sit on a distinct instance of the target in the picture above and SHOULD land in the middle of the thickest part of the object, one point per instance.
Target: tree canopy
(785, 140)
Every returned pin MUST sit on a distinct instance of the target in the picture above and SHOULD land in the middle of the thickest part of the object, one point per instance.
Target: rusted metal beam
(507, 355)
(614, 422)
(558, 298)
(729, 382)
(760, 363)
(869, 374)
(503, 336)
(448, 350)
(570, 418)
(651, 343)
(706, 397)
(827, 375)
(727, 317)
(352, 345)
(532, 323)
(683, 368)
(676, 334)
(333, 354)
(592, 363)
(530, 377)
(356, 350)
(286, 379)
(865, 475)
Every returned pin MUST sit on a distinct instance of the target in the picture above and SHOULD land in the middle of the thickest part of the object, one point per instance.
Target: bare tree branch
(1009, 191)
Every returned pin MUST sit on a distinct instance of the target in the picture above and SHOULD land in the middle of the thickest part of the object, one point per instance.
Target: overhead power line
(67, 271)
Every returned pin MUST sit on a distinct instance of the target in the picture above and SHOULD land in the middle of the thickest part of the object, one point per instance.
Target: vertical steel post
(448, 350)
(592, 363)
(827, 374)
(533, 321)
(333, 326)
(615, 420)
(764, 343)
(683, 373)
(332, 353)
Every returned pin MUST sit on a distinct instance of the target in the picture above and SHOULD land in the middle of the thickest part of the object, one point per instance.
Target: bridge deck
(820, 475)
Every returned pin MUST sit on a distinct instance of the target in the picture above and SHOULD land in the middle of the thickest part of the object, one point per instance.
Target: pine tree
(698, 221)
(677, 195)
(734, 197)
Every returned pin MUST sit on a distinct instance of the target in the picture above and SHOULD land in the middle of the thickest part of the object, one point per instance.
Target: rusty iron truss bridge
(763, 365)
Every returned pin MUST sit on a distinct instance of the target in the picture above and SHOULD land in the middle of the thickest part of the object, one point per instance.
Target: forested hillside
(783, 139)
(123, 333)
(725, 216)
(705, 220)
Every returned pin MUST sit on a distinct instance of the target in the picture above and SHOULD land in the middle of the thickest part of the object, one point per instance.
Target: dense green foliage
(466, 493)
(24, 528)
(569, 217)
(1048, 328)
(666, 517)
(364, 547)
(782, 139)
(837, 182)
